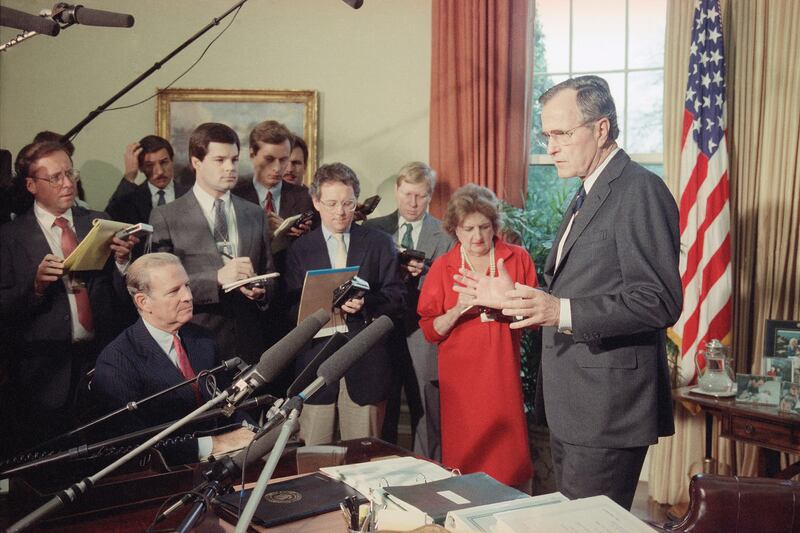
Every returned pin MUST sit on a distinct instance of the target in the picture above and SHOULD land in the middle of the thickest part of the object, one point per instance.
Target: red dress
(483, 420)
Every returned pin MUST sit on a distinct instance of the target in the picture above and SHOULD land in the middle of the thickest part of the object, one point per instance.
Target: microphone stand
(133, 406)
(287, 430)
(85, 450)
(72, 493)
(102, 107)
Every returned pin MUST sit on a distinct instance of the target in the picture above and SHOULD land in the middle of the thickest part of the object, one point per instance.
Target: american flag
(705, 262)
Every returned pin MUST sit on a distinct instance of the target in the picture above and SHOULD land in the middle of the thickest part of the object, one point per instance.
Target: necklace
(492, 265)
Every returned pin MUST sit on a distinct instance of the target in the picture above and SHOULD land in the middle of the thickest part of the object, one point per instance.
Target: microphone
(26, 22)
(310, 372)
(77, 14)
(355, 4)
(332, 370)
(275, 359)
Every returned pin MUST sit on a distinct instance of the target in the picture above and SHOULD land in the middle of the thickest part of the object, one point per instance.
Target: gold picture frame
(180, 111)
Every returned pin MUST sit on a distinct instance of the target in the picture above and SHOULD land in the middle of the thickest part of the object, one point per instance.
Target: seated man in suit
(295, 171)
(153, 156)
(361, 395)
(160, 350)
(416, 365)
(220, 239)
(270, 147)
(60, 321)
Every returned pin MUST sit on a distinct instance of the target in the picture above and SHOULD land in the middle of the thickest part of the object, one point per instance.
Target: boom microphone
(332, 370)
(355, 4)
(25, 22)
(275, 359)
(77, 14)
(309, 373)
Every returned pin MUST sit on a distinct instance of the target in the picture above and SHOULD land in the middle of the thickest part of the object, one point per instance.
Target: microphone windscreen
(355, 4)
(309, 373)
(27, 22)
(278, 356)
(334, 368)
(98, 17)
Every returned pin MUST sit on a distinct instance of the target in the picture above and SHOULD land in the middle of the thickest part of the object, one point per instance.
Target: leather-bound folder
(437, 498)
(318, 288)
(291, 500)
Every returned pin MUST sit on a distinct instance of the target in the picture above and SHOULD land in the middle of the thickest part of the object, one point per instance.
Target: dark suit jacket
(294, 198)
(42, 325)
(238, 323)
(133, 366)
(374, 252)
(433, 240)
(133, 203)
(607, 385)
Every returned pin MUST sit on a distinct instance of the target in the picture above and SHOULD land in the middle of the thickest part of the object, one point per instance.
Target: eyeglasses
(57, 180)
(333, 205)
(558, 137)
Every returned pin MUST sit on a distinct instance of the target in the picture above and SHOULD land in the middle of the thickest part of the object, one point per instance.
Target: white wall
(370, 66)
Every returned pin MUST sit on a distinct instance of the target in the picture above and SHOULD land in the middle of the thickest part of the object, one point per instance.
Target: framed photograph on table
(781, 338)
(180, 111)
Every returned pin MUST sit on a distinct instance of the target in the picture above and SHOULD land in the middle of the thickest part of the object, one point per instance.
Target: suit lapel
(428, 236)
(34, 240)
(157, 362)
(143, 202)
(244, 227)
(188, 211)
(357, 249)
(591, 205)
(82, 220)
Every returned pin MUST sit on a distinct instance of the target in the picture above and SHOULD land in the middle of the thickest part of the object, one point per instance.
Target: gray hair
(137, 277)
(331, 173)
(594, 100)
(417, 172)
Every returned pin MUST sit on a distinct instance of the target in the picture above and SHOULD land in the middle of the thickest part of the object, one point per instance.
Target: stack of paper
(374, 475)
(483, 517)
(598, 514)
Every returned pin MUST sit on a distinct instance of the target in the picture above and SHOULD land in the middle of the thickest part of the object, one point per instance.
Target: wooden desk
(760, 425)
(137, 515)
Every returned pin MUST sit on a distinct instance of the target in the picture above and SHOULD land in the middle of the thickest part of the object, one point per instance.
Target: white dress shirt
(206, 202)
(169, 192)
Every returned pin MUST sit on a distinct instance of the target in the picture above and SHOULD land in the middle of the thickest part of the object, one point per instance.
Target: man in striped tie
(60, 321)
(160, 350)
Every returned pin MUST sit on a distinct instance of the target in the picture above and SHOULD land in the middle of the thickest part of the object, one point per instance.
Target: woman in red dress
(482, 415)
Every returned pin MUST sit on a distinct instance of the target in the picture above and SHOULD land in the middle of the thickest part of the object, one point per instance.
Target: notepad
(228, 287)
(93, 251)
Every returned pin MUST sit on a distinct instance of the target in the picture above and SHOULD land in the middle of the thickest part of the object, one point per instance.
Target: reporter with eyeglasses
(360, 398)
(59, 320)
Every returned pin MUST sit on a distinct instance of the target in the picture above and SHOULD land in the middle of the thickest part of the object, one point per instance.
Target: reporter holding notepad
(60, 322)
(219, 238)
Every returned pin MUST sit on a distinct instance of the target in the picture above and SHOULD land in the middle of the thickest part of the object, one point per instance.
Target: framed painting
(180, 111)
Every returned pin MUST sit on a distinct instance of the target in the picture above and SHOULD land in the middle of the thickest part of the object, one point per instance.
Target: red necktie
(269, 207)
(68, 243)
(185, 367)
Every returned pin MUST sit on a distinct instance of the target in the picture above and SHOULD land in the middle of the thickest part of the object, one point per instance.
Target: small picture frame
(779, 367)
(757, 389)
(781, 338)
(790, 398)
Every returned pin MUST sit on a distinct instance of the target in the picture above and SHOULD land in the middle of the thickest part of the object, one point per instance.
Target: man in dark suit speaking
(614, 288)
(160, 350)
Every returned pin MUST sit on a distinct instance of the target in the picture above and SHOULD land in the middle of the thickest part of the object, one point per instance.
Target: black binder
(291, 500)
(477, 489)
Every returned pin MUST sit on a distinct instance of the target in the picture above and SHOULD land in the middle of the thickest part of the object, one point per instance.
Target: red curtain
(480, 97)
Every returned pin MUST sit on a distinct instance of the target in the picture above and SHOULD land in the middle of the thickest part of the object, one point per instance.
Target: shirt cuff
(565, 317)
(204, 447)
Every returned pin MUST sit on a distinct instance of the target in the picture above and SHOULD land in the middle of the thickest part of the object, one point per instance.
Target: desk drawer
(770, 435)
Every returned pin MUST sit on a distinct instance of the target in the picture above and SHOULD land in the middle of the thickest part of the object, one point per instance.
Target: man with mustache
(153, 156)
